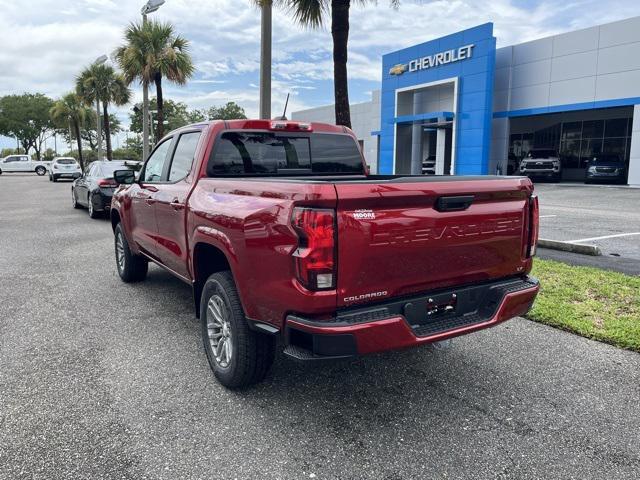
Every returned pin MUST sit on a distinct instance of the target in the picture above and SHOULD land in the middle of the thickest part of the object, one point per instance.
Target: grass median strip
(591, 302)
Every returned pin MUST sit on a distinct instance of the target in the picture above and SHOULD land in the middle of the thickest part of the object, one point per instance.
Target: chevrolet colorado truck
(283, 235)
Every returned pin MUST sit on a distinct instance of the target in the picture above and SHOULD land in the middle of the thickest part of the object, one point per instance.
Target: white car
(64, 167)
(22, 163)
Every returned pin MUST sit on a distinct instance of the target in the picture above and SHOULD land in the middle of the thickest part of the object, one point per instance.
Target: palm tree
(312, 13)
(72, 109)
(153, 51)
(108, 86)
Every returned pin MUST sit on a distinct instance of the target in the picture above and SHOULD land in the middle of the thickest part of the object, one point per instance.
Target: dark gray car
(606, 167)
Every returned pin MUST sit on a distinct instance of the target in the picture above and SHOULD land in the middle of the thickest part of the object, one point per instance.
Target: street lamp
(99, 61)
(149, 7)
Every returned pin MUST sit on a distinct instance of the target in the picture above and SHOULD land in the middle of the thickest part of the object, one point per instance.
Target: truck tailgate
(407, 236)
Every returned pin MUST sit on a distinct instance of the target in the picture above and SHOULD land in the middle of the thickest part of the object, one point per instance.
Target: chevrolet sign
(435, 60)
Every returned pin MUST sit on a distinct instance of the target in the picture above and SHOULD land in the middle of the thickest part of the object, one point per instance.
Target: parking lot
(99, 379)
(606, 216)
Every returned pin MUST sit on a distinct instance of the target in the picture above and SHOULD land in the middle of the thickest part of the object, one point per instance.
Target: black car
(606, 167)
(95, 187)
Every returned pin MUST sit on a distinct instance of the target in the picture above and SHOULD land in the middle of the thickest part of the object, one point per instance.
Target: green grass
(594, 303)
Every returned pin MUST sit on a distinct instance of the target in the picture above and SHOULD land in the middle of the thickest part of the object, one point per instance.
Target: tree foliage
(26, 117)
(102, 82)
(153, 51)
(70, 113)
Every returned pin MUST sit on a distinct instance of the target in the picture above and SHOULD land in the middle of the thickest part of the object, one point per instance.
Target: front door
(171, 200)
(144, 228)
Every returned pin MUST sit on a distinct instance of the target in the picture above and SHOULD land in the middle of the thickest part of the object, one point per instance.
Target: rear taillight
(315, 256)
(534, 225)
(107, 183)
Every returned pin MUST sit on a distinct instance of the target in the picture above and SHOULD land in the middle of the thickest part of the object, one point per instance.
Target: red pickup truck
(283, 234)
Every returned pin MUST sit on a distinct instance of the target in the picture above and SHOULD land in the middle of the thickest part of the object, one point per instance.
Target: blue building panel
(472, 120)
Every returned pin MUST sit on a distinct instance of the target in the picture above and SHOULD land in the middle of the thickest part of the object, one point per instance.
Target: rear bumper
(404, 323)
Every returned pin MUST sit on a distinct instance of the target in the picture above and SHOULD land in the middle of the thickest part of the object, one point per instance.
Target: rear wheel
(41, 170)
(131, 268)
(238, 356)
(54, 179)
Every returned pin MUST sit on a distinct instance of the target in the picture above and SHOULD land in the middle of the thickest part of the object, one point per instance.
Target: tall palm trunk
(107, 130)
(160, 117)
(76, 127)
(340, 34)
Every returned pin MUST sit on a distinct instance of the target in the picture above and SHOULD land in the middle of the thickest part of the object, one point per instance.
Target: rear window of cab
(247, 153)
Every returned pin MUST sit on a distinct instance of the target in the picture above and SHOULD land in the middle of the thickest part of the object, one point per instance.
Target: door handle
(150, 201)
(176, 205)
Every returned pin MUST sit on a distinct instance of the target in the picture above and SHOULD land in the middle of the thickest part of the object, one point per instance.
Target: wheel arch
(207, 259)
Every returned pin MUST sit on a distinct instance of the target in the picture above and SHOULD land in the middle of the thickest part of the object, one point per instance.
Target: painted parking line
(581, 240)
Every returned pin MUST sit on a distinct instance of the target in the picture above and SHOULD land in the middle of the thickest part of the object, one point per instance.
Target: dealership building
(457, 105)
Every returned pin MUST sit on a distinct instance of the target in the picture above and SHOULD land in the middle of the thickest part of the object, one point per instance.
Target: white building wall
(365, 118)
(634, 160)
(586, 66)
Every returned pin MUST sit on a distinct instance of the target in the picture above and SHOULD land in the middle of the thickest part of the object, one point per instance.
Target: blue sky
(46, 42)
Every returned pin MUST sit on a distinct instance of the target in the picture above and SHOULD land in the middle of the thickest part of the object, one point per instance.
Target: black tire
(41, 171)
(54, 179)
(93, 213)
(133, 268)
(74, 200)
(252, 352)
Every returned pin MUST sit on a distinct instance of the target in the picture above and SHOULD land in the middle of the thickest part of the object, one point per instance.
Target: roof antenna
(284, 113)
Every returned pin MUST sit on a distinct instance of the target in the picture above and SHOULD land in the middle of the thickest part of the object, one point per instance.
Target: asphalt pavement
(99, 379)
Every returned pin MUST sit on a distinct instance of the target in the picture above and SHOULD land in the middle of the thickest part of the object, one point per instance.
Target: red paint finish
(390, 240)
(395, 333)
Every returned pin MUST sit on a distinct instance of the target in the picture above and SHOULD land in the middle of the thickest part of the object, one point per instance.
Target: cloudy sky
(46, 42)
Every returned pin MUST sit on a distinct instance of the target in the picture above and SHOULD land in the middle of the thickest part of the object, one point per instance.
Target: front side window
(183, 156)
(155, 165)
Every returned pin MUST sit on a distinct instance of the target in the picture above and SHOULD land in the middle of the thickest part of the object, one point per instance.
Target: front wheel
(92, 211)
(74, 200)
(41, 171)
(238, 356)
(131, 268)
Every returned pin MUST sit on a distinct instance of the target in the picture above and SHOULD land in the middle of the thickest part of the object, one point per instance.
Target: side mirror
(124, 177)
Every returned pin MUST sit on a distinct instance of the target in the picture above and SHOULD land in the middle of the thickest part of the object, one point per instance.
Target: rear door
(171, 198)
(406, 236)
(144, 228)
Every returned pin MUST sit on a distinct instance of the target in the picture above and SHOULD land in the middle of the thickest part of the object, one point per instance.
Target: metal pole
(145, 111)
(265, 61)
(99, 129)
(70, 138)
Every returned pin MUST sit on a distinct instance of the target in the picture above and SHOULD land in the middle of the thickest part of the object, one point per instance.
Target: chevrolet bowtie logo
(398, 69)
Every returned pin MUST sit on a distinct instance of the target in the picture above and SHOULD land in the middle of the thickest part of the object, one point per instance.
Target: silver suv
(542, 163)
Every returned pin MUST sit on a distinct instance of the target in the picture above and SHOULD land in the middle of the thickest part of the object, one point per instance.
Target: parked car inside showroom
(94, 188)
(606, 167)
(64, 167)
(542, 163)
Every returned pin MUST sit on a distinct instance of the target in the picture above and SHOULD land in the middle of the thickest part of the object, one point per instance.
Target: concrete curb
(570, 247)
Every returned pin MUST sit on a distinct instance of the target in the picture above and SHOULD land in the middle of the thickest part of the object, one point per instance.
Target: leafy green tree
(130, 150)
(230, 111)
(5, 152)
(71, 110)
(152, 52)
(176, 114)
(26, 117)
(313, 14)
(90, 134)
(102, 82)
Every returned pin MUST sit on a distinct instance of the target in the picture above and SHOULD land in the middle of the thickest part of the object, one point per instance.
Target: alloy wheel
(74, 201)
(90, 205)
(120, 257)
(219, 331)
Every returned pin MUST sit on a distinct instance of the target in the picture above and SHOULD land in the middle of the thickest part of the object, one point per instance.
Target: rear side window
(66, 161)
(266, 153)
(183, 156)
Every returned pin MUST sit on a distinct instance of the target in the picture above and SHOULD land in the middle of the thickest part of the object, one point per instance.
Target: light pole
(149, 7)
(265, 60)
(99, 61)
